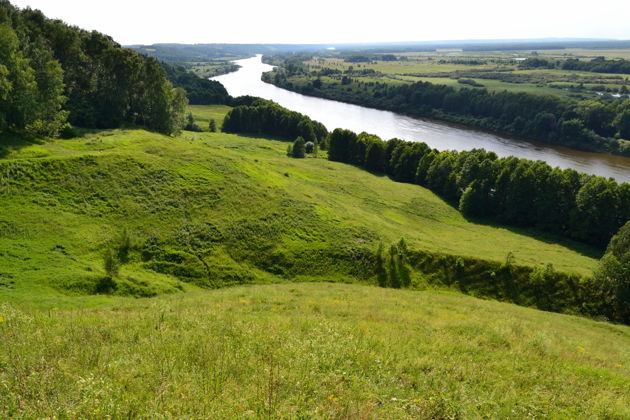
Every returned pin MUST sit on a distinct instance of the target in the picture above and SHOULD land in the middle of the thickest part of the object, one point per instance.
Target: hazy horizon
(330, 22)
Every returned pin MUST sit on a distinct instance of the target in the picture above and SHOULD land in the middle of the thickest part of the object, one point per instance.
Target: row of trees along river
(386, 125)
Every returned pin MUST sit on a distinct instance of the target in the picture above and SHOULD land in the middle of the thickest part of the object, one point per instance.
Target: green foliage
(191, 125)
(199, 91)
(613, 276)
(299, 148)
(509, 190)
(170, 212)
(587, 125)
(111, 263)
(52, 72)
(212, 126)
(260, 116)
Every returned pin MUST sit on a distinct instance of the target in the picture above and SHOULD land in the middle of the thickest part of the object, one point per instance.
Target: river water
(385, 124)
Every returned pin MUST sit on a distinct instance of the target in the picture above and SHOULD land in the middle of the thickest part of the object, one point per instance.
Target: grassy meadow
(311, 351)
(302, 339)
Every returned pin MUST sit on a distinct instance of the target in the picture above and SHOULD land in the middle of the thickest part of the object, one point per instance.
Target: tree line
(512, 191)
(52, 74)
(588, 125)
(596, 65)
(199, 91)
(259, 116)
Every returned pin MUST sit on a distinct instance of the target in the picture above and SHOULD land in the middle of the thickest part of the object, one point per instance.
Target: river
(385, 124)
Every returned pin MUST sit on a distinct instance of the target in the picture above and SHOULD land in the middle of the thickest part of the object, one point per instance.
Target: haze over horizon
(331, 22)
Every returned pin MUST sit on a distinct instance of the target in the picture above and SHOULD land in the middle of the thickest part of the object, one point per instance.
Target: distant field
(213, 68)
(318, 351)
(204, 113)
(586, 53)
(398, 67)
(448, 67)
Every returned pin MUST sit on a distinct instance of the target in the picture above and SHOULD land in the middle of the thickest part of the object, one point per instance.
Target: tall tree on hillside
(18, 87)
(299, 148)
(613, 276)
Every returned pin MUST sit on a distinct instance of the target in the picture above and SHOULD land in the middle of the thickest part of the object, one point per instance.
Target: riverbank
(574, 137)
(386, 124)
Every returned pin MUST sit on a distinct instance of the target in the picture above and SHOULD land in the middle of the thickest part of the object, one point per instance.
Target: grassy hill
(311, 351)
(213, 209)
(209, 209)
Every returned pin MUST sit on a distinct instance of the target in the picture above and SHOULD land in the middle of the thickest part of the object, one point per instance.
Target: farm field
(492, 70)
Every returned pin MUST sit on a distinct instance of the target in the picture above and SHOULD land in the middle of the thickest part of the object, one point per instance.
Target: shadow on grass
(15, 141)
(550, 238)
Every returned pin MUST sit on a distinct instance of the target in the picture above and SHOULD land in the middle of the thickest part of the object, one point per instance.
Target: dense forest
(198, 91)
(260, 116)
(512, 191)
(517, 192)
(588, 125)
(52, 74)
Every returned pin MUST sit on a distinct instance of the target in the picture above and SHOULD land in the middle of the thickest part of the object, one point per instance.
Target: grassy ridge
(216, 209)
(311, 351)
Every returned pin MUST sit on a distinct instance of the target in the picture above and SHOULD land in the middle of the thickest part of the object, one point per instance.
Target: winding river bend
(385, 124)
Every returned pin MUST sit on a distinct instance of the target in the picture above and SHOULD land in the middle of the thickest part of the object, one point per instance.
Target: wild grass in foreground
(311, 351)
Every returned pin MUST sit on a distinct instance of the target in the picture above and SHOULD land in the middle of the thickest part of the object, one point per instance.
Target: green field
(203, 114)
(446, 68)
(311, 351)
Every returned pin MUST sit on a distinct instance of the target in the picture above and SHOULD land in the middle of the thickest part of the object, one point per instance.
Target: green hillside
(311, 351)
(214, 209)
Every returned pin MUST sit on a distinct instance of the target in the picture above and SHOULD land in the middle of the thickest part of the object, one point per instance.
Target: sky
(339, 21)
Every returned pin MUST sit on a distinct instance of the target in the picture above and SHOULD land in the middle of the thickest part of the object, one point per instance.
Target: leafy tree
(622, 122)
(212, 126)
(341, 142)
(595, 218)
(191, 125)
(474, 200)
(375, 156)
(299, 148)
(404, 272)
(613, 276)
(199, 91)
(51, 72)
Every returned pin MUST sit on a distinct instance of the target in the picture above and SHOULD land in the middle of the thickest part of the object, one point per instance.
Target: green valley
(237, 203)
